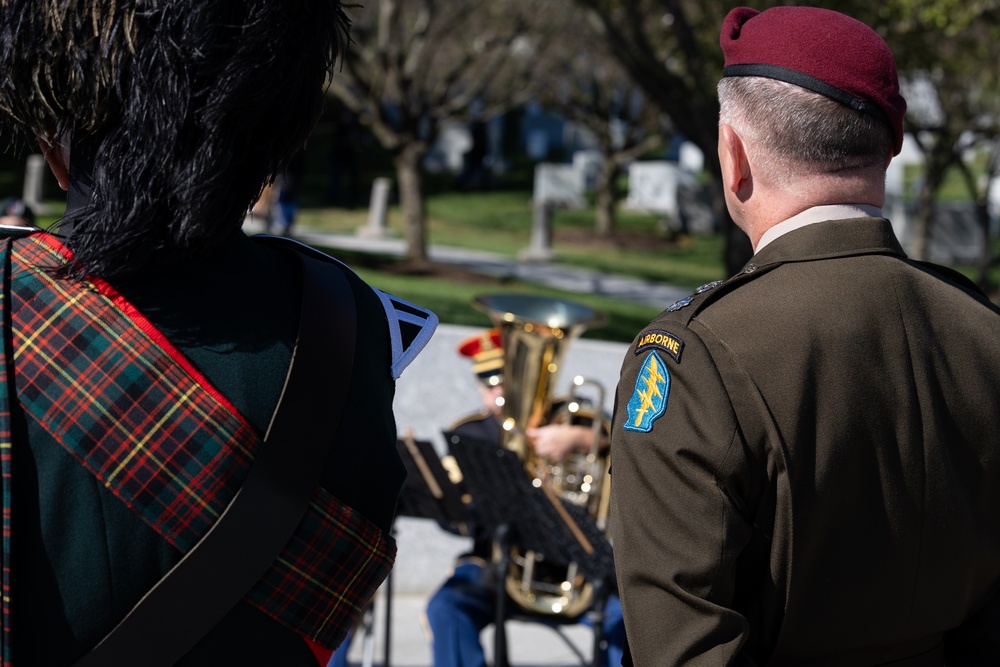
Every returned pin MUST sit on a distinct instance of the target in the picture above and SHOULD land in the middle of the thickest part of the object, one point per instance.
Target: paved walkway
(568, 278)
(528, 644)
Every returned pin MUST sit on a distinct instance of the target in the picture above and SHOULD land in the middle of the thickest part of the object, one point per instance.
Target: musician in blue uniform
(465, 603)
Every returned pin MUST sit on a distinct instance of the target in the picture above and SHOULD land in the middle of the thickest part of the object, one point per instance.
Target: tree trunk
(411, 200)
(737, 249)
(604, 224)
(923, 222)
(981, 202)
(937, 159)
(986, 258)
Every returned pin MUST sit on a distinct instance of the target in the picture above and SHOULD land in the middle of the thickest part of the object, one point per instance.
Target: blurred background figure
(15, 213)
(286, 205)
(475, 171)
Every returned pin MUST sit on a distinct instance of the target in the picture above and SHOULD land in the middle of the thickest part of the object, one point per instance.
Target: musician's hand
(555, 441)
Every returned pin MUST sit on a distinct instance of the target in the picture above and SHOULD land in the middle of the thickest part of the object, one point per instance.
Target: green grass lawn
(500, 222)
(451, 297)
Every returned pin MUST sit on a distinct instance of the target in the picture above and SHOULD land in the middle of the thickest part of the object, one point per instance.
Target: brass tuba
(535, 332)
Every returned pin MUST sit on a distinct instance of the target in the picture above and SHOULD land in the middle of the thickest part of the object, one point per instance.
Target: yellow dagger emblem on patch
(649, 399)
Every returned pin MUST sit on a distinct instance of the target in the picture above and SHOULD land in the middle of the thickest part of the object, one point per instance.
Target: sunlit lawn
(501, 222)
(451, 300)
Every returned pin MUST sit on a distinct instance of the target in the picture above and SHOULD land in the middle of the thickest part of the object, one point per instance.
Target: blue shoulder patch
(649, 398)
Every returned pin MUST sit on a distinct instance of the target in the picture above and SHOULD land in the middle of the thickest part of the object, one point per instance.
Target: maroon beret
(818, 49)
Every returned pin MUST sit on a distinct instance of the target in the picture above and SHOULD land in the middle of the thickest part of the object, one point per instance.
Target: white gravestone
(34, 181)
(588, 162)
(691, 158)
(448, 152)
(652, 187)
(559, 185)
(556, 185)
(378, 208)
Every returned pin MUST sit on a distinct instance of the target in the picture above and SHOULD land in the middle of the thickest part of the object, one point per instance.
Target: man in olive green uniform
(807, 455)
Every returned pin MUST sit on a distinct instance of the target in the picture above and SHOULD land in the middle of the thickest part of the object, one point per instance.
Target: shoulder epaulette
(952, 275)
(410, 326)
(468, 419)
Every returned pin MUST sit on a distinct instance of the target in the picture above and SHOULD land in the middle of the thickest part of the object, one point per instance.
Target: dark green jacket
(807, 463)
(82, 558)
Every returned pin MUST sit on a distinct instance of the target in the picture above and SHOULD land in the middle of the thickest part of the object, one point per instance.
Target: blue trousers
(464, 605)
(339, 657)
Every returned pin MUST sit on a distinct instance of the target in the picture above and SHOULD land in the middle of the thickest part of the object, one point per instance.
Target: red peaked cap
(818, 49)
(486, 351)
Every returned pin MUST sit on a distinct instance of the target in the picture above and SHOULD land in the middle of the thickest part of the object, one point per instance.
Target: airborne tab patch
(649, 399)
(663, 340)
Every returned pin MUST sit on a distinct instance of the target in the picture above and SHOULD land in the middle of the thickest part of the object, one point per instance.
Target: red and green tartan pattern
(6, 438)
(109, 387)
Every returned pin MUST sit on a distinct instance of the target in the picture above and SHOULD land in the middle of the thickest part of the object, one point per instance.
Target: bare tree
(671, 49)
(415, 63)
(980, 190)
(943, 50)
(582, 81)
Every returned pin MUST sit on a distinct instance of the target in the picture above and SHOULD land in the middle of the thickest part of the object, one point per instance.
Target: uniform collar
(817, 214)
(832, 238)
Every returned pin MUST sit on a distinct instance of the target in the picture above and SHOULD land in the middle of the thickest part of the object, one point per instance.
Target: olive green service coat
(807, 463)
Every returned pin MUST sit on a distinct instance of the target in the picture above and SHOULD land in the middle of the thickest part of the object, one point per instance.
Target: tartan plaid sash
(136, 414)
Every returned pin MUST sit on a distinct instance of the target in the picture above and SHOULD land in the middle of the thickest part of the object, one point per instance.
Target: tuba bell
(535, 332)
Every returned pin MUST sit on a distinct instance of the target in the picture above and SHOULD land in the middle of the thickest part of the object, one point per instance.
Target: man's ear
(58, 161)
(733, 159)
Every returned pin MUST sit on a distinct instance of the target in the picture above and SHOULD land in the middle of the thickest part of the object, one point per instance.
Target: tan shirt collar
(818, 214)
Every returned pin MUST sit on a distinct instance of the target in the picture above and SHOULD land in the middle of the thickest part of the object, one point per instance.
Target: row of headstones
(657, 187)
(957, 236)
(652, 184)
(654, 187)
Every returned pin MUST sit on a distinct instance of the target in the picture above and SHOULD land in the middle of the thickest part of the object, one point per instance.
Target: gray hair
(792, 130)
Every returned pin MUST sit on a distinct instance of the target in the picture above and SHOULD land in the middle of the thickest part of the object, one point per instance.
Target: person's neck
(79, 193)
(776, 205)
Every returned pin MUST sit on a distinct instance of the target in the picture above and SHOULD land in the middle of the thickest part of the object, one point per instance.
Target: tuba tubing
(535, 333)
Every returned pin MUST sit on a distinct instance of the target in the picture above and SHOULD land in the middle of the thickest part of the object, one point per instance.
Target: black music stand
(517, 512)
(427, 493)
